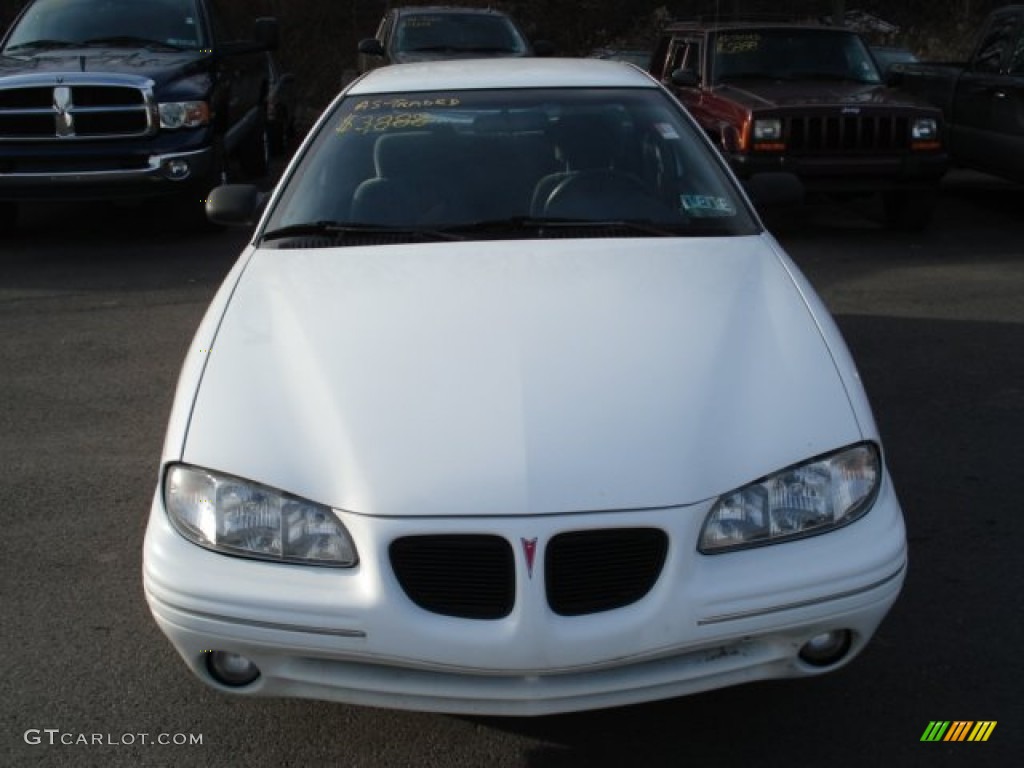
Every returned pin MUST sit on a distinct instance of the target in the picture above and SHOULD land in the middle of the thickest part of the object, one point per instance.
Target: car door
(987, 124)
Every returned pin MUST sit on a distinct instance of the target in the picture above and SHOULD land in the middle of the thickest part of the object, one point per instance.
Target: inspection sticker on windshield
(707, 205)
(666, 131)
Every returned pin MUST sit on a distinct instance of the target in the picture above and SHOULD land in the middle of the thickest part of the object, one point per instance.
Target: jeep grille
(848, 133)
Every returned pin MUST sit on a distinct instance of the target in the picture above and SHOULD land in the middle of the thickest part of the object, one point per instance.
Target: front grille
(81, 111)
(846, 133)
(469, 576)
(601, 570)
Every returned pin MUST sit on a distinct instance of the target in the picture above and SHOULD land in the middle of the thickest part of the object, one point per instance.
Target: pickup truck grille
(69, 112)
(848, 133)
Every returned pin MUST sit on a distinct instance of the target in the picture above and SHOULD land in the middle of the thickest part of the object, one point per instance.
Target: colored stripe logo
(958, 730)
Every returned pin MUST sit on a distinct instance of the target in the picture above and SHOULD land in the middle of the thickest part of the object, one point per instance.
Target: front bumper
(115, 169)
(851, 173)
(353, 636)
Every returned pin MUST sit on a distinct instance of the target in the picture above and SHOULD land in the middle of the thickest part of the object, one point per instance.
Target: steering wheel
(606, 195)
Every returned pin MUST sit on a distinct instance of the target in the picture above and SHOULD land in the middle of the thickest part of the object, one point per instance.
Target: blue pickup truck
(983, 98)
(131, 99)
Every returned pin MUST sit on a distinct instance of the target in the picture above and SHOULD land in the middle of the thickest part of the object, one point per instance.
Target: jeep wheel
(254, 157)
(909, 210)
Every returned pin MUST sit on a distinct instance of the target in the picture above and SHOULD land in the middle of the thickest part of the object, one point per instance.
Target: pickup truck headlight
(924, 129)
(810, 498)
(238, 517)
(184, 114)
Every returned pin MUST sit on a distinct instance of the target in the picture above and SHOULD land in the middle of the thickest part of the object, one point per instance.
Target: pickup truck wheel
(909, 210)
(255, 155)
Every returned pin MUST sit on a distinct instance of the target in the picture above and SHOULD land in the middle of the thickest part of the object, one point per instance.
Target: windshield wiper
(42, 44)
(130, 41)
(538, 225)
(338, 229)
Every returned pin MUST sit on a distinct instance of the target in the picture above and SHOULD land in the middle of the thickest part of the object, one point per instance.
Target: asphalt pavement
(97, 308)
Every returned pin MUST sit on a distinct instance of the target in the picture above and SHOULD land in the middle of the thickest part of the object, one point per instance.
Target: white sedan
(511, 406)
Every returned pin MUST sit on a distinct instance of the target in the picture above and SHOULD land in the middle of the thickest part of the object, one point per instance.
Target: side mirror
(684, 78)
(235, 205)
(543, 48)
(371, 46)
(774, 189)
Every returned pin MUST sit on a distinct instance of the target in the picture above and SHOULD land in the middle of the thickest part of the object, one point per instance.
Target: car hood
(767, 94)
(521, 377)
(159, 66)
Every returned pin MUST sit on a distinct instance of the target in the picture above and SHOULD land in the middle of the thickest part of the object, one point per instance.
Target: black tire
(909, 210)
(254, 157)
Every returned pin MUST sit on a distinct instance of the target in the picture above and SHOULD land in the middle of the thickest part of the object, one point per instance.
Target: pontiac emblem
(530, 551)
(62, 106)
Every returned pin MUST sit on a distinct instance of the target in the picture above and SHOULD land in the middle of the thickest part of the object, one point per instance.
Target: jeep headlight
(768, 129)
(183, 114)
(238, 517)
(810, 498)
(924, 129)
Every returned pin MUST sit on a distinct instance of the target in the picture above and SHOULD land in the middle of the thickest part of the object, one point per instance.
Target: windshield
(66, 23)
(792, 54)
(507, 163)
(457, 32)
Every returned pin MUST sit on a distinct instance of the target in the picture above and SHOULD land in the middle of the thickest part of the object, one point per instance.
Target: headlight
(768, 129)
(817, 496)
(184, 114)
(238, 517)
(924, 129)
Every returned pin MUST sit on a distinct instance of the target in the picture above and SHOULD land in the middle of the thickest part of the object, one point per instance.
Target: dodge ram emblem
(62, 106)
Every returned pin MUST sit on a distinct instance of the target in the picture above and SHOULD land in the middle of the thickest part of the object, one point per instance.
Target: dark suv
(809, 100)
(423, 33)
(130, 99)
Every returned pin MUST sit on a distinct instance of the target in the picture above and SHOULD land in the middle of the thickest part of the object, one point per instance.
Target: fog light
(231, 668)
(826, 648)
(177, 170)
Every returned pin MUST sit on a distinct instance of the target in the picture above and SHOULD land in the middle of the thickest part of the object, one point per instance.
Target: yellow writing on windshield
(383, 123)
(369, 105)
(744, 43)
